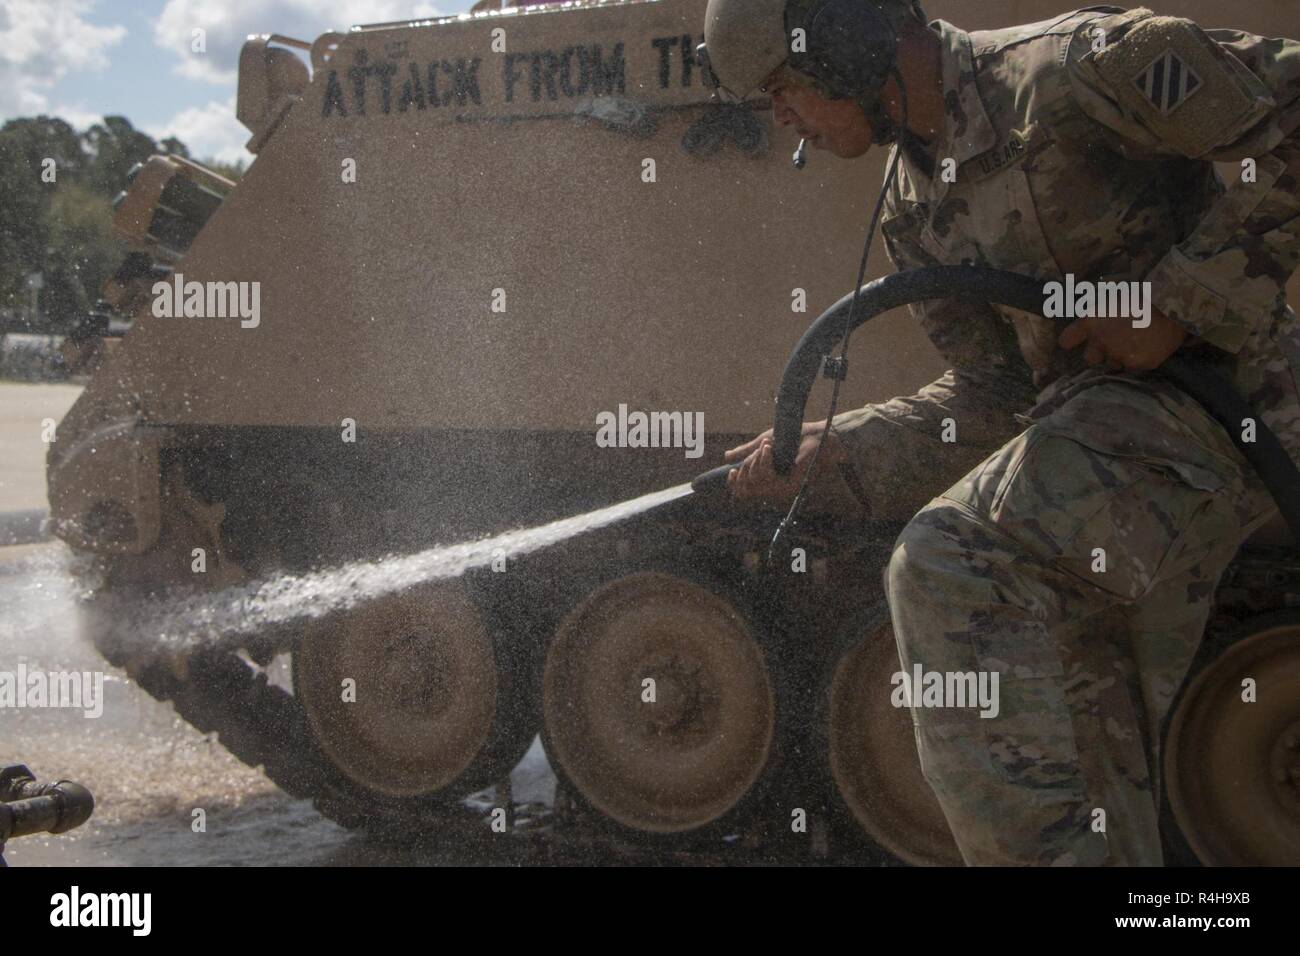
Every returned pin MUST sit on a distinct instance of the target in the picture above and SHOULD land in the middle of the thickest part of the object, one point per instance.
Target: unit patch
(1168, 82)
(1161, 64)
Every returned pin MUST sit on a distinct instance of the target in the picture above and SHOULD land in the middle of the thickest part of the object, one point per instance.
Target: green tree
(232, 171)
(174, 147)
(115, 146)
(63, 229)
(24, 198)
(28, 142)
(85, 253)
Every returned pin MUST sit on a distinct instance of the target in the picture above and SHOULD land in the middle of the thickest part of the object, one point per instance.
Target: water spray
(211, 619)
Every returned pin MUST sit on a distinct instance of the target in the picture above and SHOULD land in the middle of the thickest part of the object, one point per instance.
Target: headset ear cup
(851, 47)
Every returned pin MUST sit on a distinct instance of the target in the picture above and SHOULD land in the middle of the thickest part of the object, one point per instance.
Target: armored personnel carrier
(465, 247)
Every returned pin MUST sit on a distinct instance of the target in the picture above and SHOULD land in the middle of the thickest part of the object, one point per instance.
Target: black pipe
(1193, 375)
(52, 808)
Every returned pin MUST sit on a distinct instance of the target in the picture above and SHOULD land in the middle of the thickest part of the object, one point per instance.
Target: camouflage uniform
(1075, 154)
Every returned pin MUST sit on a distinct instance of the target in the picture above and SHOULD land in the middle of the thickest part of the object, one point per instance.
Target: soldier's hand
(1115, 340)
(756, 479)
(741, 452)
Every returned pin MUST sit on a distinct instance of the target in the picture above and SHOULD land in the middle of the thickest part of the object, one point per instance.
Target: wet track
(148, 769)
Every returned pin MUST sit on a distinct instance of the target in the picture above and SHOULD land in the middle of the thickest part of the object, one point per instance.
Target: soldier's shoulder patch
(1181, 85)
(1168, 82)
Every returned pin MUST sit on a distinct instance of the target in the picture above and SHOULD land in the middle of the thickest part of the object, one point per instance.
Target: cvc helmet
(848, 47)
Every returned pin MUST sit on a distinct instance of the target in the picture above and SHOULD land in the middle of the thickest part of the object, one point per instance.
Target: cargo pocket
(1112, 521)
(1042, 489)
(1152, 529)
(1030, 740)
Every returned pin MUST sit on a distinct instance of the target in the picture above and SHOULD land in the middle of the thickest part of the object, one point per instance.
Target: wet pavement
(26, 412)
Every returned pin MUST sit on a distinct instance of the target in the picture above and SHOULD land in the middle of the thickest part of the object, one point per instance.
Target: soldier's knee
(906, 571)
(928, 548)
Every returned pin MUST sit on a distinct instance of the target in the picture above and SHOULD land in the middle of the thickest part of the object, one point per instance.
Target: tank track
(218, 691)
(227, 691)
(262, 725)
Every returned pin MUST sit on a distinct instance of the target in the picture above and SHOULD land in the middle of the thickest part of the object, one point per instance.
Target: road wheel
(872, 752)
(1232, 768)
(407, 695)
(657, 703)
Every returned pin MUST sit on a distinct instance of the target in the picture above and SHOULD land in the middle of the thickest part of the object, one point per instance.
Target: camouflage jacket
(1085, 145)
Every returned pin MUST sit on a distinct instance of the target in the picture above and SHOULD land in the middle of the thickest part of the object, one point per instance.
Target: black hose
(890, 292)
(1194, 376)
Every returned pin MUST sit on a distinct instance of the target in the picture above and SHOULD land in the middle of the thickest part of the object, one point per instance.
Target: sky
(83, 59)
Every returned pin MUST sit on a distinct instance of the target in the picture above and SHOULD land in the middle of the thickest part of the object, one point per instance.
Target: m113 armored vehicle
(461, 243)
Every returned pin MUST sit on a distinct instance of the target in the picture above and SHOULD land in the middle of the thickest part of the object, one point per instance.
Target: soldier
(1090, 507)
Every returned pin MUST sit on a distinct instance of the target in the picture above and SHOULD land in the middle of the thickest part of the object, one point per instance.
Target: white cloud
(210, 131)
(229, 23)
(78, 117)
(41, 42)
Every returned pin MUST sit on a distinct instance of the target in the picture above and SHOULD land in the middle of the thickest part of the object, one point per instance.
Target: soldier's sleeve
(1161, 86)
(979, 396)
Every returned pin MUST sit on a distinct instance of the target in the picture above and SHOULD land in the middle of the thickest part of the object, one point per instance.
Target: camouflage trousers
(1078, 562)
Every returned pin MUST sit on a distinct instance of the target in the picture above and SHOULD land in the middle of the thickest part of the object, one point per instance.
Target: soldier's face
(838, 126)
